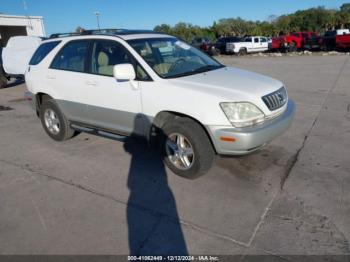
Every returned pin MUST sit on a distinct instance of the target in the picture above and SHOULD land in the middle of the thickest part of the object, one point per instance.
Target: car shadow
(153, 222)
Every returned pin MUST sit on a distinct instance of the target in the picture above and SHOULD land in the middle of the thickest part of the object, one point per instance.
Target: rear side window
(42, 51)
(72, 56)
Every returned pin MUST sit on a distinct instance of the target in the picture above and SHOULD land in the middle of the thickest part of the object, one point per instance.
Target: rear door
(66, 78)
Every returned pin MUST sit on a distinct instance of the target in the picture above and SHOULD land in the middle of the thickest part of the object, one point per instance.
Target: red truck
(291, 42)
(342, 42)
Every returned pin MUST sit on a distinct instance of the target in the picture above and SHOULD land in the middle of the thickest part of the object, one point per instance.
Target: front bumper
(249, 139)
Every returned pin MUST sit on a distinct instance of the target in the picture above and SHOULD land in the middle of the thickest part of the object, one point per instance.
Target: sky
(66, 15)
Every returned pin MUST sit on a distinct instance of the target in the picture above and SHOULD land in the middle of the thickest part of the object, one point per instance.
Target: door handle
(91, 83)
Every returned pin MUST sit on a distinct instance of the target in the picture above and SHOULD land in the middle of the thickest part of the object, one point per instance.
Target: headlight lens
(242, 114)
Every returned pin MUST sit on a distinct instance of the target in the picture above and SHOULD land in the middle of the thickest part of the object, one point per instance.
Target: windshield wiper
(206, 68)
(197, 71)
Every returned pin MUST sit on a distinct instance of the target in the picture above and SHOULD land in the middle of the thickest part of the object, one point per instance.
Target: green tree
(345, 8)
(318, 19)
(163, 28)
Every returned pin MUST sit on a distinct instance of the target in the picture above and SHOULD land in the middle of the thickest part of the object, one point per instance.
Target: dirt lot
(92, 195)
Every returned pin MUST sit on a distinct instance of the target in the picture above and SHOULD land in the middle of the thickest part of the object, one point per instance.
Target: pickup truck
(221, 43)
(291, 42)
(313, 43)
(249, 44)
(329, 40)
(342, 42)
(15, 57)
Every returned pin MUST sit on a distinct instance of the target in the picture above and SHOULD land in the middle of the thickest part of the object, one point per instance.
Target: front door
(112, 105)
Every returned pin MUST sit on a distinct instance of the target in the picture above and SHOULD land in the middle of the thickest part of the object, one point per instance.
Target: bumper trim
(253, 138)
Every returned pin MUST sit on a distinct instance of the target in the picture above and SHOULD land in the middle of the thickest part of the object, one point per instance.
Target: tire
(3, 80)
(58, 129)
(216, 52)
(195, 139)
(292, 47)
(242, 51)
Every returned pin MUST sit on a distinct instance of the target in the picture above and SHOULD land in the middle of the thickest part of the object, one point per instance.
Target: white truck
(14, 58)
(249, 44)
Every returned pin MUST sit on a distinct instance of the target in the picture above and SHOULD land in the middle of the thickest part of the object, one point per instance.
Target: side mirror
(124, 72)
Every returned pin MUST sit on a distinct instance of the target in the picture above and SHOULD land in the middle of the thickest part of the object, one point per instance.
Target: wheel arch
(39, 99)
(164, 116)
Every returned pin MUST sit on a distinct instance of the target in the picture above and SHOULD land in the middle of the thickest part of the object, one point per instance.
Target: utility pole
(25, 7)
(97, 14)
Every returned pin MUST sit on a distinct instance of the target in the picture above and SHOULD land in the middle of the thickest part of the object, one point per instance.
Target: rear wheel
(54, 122)
(186, 147)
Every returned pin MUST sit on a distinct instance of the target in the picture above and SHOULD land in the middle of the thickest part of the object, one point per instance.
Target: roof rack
(104, 32)
(58, 35)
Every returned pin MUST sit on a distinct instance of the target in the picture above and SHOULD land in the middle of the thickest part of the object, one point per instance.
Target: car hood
(230, 83)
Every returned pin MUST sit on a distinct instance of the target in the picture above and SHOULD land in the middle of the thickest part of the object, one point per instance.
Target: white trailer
(19, 37)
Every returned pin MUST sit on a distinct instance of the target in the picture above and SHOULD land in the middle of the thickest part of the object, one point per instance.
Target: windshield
(170, 57)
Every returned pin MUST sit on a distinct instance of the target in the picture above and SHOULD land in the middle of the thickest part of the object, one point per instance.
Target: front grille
(276, 99)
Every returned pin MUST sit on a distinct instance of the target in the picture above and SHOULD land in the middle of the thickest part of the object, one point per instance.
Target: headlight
(242, 114)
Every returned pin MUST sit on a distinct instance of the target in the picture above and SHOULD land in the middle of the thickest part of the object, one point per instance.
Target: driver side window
(106, 54)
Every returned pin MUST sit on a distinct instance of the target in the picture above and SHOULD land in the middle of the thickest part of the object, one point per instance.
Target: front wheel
(187, 149)
(292, 47)
(242, 52)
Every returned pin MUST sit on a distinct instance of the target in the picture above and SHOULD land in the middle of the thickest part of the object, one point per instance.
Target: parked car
(204, 44)
(249, 44)
(222, 41)
(15, 57)
(291, 42)
(343, 42)
(328, 41)
(123, 84)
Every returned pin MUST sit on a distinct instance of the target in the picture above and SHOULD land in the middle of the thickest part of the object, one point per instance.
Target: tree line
(317, 19)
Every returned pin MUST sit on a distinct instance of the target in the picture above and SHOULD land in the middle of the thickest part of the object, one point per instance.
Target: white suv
(120, 83)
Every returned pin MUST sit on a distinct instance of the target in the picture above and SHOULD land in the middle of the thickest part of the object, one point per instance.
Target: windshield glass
(170, 57)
